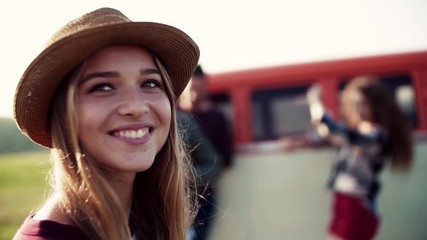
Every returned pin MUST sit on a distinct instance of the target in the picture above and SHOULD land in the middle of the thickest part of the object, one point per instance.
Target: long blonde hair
(162, 205)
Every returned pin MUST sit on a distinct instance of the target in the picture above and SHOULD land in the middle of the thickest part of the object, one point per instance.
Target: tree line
(12, 140)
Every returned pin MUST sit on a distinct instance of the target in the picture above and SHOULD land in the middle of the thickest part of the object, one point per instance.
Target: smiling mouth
(133, 134)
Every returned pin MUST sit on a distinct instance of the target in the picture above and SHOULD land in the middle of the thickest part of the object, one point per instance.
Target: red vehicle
(266, 104)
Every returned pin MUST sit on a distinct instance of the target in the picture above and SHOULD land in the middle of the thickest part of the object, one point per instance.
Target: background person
(102, 96)
(374, 132)
(207, 165)
(213, 122)
(214, 126)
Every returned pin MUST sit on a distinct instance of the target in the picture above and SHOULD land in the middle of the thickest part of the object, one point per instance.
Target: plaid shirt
(359, 161)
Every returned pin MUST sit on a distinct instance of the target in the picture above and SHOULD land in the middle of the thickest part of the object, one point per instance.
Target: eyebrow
(109, 74)
(149, 71)
(99, 74)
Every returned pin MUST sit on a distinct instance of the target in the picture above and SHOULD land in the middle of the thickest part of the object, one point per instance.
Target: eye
(101, 87)
(152, 84)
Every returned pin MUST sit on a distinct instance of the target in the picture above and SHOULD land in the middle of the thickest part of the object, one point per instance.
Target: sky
(231, 34)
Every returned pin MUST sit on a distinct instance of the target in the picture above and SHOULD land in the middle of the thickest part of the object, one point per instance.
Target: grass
(22, 188)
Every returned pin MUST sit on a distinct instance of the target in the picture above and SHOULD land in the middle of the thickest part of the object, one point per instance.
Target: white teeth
(132, 133)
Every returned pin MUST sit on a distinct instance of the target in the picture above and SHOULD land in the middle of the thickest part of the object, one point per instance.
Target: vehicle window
(280, 112)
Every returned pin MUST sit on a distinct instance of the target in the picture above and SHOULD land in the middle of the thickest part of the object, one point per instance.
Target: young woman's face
(123, 111)
(357, 109)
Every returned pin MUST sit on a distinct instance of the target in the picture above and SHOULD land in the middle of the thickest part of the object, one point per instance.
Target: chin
(143, 169)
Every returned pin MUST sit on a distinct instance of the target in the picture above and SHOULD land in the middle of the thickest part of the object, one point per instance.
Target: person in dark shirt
(102, 97)
(213, 122)
(207, 162)
(215, 127)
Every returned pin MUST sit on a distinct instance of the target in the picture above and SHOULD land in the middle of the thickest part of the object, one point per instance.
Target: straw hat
(80, 38)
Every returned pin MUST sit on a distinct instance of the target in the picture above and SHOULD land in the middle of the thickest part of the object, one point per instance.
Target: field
(263, 197)
(22, 188)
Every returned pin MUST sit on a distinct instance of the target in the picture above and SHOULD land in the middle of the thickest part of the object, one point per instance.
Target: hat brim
(35, 91)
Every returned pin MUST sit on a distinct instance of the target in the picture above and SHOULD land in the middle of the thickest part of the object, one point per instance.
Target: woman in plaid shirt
(374, 131)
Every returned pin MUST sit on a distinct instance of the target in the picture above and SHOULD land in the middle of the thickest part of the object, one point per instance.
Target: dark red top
(48, 230)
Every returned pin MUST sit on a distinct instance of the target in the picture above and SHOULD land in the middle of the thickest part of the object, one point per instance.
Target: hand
(316, 111)
(314, 94)
(314, 99)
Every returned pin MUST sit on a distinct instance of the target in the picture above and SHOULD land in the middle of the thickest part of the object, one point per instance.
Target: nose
(132, 103)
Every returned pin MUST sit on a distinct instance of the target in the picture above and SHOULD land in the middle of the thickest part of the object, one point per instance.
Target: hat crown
(94, 19)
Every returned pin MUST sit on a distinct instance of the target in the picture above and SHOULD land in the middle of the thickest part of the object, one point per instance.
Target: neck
(202, 106)
(123, 186)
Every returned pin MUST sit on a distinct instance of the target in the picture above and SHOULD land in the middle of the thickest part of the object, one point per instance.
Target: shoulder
(49, 223)
(212, 115)
(373, 131)
(52, 211)
(217, 112)
(33, 229)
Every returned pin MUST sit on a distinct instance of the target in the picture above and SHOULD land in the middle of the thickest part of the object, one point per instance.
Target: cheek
(166, 115)
(89, 118)
(83, 125)
(161, 108)
(84, 115)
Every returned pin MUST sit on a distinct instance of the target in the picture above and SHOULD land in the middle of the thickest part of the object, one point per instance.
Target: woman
(102, 97)
(375, 131)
